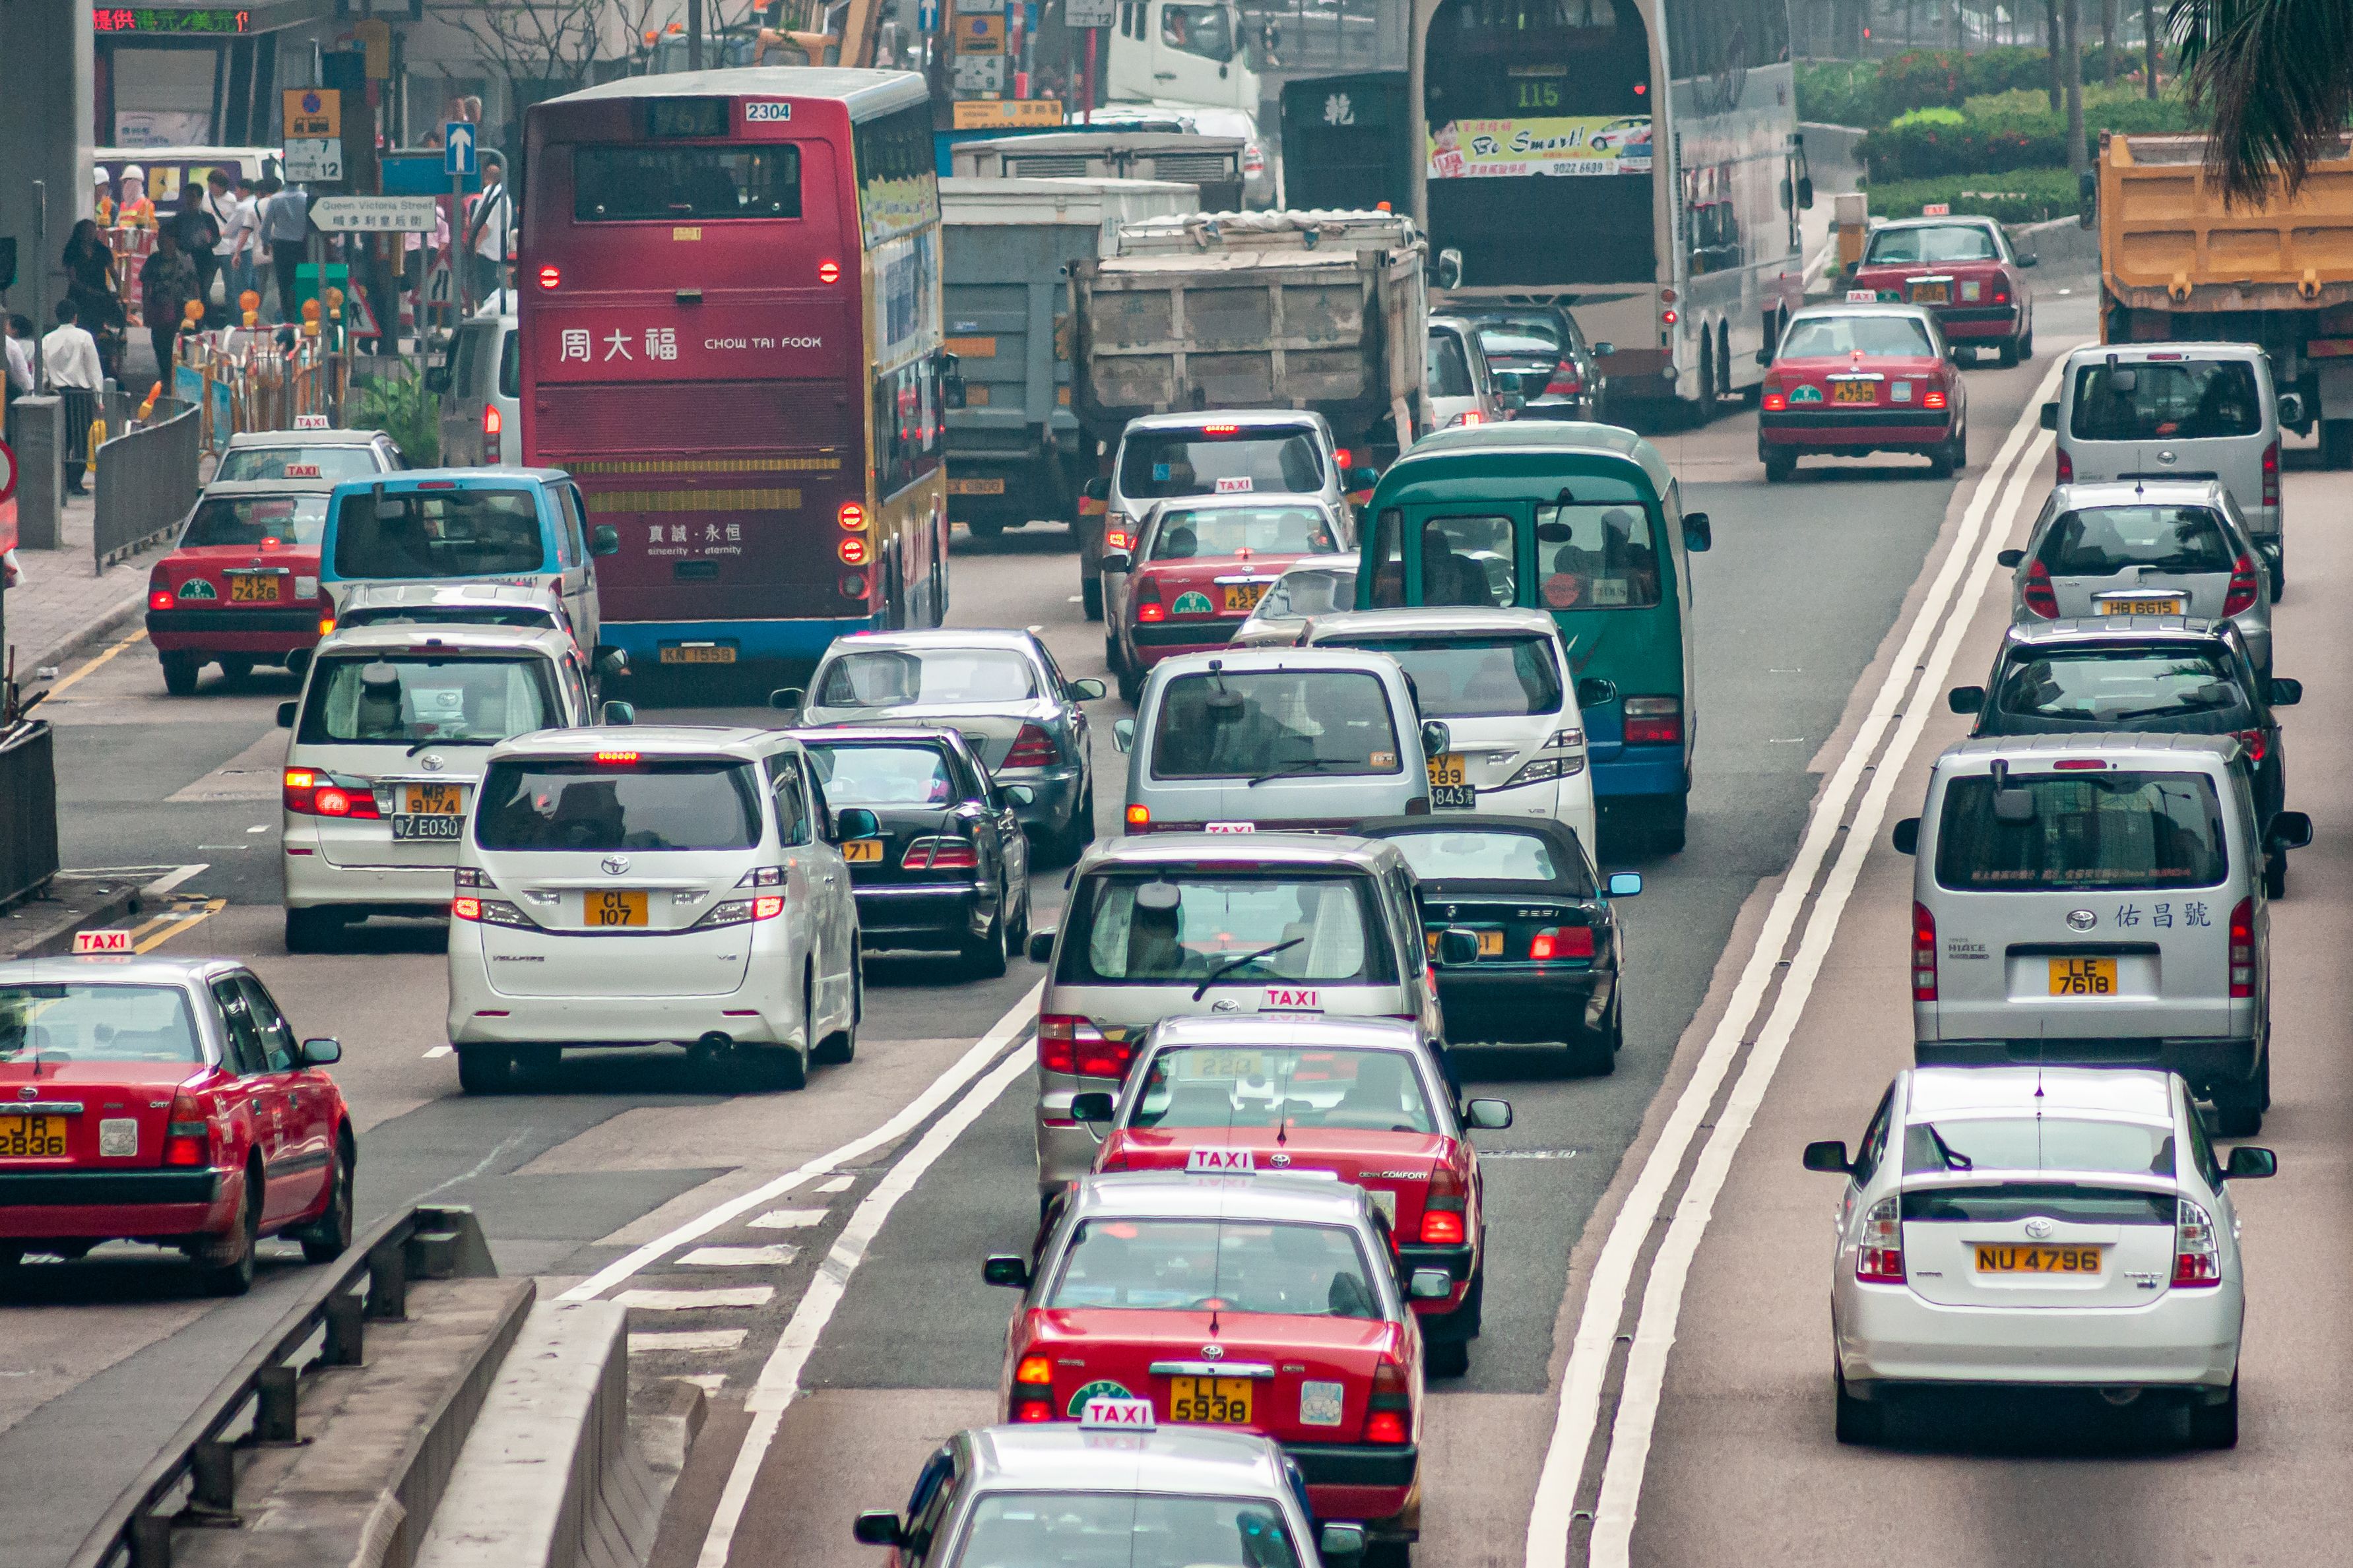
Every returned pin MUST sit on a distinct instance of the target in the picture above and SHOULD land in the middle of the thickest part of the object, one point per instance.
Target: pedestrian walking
(220, 205)
(69, 362)
(491, 231)
(166, 283)
(243, 274)
(193, 227)
(286, 224)
(98, 297)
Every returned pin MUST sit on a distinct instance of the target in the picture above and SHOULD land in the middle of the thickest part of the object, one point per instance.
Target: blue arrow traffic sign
(456, 147)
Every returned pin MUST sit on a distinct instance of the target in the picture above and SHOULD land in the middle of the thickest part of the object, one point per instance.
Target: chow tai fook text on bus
(730, 300)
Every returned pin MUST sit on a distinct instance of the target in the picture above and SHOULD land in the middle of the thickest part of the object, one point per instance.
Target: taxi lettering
(1218, 1161)
(1294, 999)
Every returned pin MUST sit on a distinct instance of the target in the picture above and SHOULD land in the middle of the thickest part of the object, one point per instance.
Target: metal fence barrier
(29, 809)
(146, 483)
(193, 1482)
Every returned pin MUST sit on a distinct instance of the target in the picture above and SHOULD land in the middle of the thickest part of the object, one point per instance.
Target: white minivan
(2179, 411)
(2097, 899)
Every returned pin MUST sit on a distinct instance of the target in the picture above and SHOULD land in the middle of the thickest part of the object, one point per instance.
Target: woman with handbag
(98, 297)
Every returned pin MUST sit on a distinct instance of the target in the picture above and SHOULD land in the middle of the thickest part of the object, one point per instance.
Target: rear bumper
(785, 641)
(272, 632)
(105, 1205)
(765, 1007)
(922, 914)
(312, 881)
(1827, 429)
(1641, 770)
(2184, 1339)
(1359, 1481)
(2204, 1061)
(1975, 323)
(1518, 1004)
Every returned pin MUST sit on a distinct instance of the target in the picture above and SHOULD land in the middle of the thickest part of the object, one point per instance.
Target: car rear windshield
(1138, 930)
(438, 533)
(1520, 340)
(1192, 1087)
(1244, 1266)
(411, 699)
(1316, 592)
(2090, 830)
(1279, 460)
(79, 1023)
(1263, 723)
(1124, 1529)
(2098, 688)
(1448, 373)
(883, 776)
(897, 677)
(685, 185)
(1871, 336)
(1957, 242)
(595, 806)
(252, 519)
(1230, 531)
(2167, 400)
(1476, 677)
(2100, 541)
(450, 616)
(2037, 1143)
(343, 460)
(1497, 856)
(1593, 553)
(2007, 1202)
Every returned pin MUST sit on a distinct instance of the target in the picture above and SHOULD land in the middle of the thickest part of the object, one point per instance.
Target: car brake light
(1219, 429)
(1777, 396)
(492, 423)
(1562, 941)
(940, 854)
(2257, 743)
(309, 792)
(2066, 468)
(2243, 950)
(620, 759)
(2040, 598)
(1118, 539)
(188, 1140)
(2241, 593)
(1032, 748)
(1443, 1221)
(466, 909)
(326, 625)
(1388, 1416)
(2196, 1258)
(1654, 721)
(1924, 953)
(2271, 474)
(1880, 1259)
(1068, 1043)
(1934, 398)
(1564, 382)
(1034, 1369)
(1148, 607)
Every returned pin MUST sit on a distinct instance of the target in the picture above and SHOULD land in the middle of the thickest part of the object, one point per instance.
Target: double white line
(1905, 698)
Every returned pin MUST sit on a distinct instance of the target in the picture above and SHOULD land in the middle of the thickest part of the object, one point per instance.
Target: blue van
(522, 526)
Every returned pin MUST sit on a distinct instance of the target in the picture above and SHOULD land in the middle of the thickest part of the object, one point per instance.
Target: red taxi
(1262, 1304)
(167, 1103)
(1854, 378)
(1364, 1101)
(242, 587)
(1199, 566)
(1961, 268)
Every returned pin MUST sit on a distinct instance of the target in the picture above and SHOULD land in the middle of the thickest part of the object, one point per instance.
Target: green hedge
(2019, 196)
(1873, 92)
(2035, 140)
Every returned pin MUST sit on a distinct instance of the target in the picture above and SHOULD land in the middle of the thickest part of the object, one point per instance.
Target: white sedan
(2059, 1227)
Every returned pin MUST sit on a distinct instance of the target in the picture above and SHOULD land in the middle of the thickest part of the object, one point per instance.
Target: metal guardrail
(146, 483)
(193, 1482)
(29, 809)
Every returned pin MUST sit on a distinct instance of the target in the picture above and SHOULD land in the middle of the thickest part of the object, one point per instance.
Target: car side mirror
(1122, 733)
(1430, 1284)
(1697, 533)
(604, 540)
(617, 712)
(285, 715)
(1806, 192)
(879, 1527)
(1118, 561)
(2009, 558)
(1096, 489)
(1093, 1108)
(1624, 885)
(436, 380)
(1966, 699)
(2289, 830)
(1019, 794)
(2050, 416)
(2249, 1163)
(2291, 408)
(321, 1052)
(2029, 259)
(1456, 945)
(612, 662)
(1512, 402)
(1448, 273)
(1041, 945)
(1906, 837)
(1604, 349)
(1338, 1544)
(787, 698)
(1488, 1115)
(1087, 689)
(2285, 691)
(1436, 738)
(1827, 1155)
(855, 822)
(1006, 1268)
(1595, 691)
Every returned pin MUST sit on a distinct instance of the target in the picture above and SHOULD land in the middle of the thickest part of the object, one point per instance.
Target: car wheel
(2238, 1107)
(984, 955)
(1780, 467)
(1446, 1358)
(842, 1044)
(226, 1269)
(485, 1070)
(312, 931)
(179, 674)
(1091, 597)
(1112, 659)
(2275, 875)
(1940, 462)
(767, 1070)
(1859, 1420)
(2216, 1425)
(1388, 1554)
(1668, 836)
(1070, 841)
(1131, 687)
(1594, 1052)
(235, 668)
(327, 1238)
(2026, 344)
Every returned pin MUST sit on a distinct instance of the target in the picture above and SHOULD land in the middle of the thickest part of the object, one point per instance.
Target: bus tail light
(2243, 951)
(852, 551)
(1654, 721)
(852, 515)
(1924, 953)
(2038, 595)
(493, 423)
(852, 585)
(551, 278)
(2241, 595)
(829, 271)
(1032, 748)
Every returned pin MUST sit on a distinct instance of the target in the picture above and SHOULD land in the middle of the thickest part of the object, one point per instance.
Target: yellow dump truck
(2177, 264)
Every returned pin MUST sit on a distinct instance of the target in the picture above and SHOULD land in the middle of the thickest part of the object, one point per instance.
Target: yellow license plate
(699, 653)
(1997, 1258)
(37, 1138)
(1449, 770)
(1222, 1065)
(2082, 977)
(1854, 392)
(247, 589)
(862, 851)
(976, 486)
(1242, 598)
(613, 907)
(2165, 606)
(1218, 1401)
(1490, 943)
(434, 799)
(1930, 293)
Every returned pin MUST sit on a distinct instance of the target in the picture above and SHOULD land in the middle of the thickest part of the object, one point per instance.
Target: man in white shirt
(69, 363)
(220, 205)
(20, 355)
(491, 230)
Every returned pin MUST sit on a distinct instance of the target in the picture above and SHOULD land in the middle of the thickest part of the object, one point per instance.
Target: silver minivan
(2179, 411)
(481, 388)
(1281, 925)
(2098, 898)
(1314, 739)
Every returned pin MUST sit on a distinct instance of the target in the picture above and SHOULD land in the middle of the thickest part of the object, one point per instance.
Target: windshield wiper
(1230, 964)
(1953, 1158)
(451, 741)
(1309, 766)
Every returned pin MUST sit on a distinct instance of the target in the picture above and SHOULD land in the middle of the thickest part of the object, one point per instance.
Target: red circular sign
(7, 471)
(1564, 590)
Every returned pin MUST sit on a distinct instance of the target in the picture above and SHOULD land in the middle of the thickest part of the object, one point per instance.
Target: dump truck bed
(2168, 242)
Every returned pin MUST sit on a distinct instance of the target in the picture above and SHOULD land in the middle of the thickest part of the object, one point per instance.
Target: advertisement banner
(1505, 149)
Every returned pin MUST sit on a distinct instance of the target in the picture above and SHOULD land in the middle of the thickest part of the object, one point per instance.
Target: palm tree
(2278, 75)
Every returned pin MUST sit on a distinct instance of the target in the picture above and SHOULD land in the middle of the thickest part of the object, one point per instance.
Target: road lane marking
(65, 681)
(167, 926)
(440, 1051)
(774, 1255)
(172, 879)
(686, 1340)
(839, 1184)
(789, 1219)
(695, 1301)
(780, 1380)
(909, 1116)
(1611, 1282)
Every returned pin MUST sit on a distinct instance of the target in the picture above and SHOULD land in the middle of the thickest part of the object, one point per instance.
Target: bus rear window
(689, 185)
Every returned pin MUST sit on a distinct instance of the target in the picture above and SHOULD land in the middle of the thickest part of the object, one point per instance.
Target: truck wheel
(1091, 597)
(986, 530)
(2336, 443)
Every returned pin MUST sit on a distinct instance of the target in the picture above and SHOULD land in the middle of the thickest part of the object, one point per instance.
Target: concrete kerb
(115, 618)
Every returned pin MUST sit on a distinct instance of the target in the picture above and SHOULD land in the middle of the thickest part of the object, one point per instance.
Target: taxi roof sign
(113, 940)
(1104, 1414)
(312, 422)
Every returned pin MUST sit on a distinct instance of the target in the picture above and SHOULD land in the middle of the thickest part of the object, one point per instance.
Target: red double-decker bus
(731, 337)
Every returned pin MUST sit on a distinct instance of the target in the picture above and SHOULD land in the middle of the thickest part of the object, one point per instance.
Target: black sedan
(1527, 945)
(950, 868)
(1538, 352)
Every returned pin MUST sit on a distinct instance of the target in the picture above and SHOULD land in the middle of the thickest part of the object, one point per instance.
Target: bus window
(625, 184)
(1597, 554)
(1468, 561)
(1388, 560)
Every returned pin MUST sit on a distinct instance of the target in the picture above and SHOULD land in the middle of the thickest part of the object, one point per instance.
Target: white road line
(1612, 1278)
(775, 1256)
(440, 1051)
(789, 1219)
(172, 879)
(839, 1184)
(780, 1379)
(686, 1340)
(909, 1116)
(695, 1301)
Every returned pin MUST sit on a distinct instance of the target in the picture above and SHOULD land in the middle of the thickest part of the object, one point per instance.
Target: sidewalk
(62, 605)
